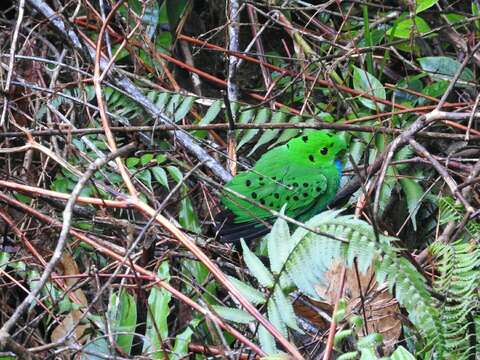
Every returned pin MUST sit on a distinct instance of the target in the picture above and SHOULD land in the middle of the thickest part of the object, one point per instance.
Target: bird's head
(318, 147)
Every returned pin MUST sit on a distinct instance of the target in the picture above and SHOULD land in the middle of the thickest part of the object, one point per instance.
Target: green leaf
(123, 315)
(132, 162)
(476, 12)
(444, 68)
(365, 82)
(180, 348)
(257, 268)
(401, 353)
(157, 325)
(233, 314)
(286, 309)
(414, 193)
(4, 259)
(340, 336)
(423, 5)
(61, 184)
(267, 341)
(145, 176)
(269, 135)
(435, 89)
(160, 158)
(146, 158)
(352, 355)
(175, 10)
(455, 18)
(405, 28)
(175, 173)
(243, 117)
(275, 318)
(184, 108)
(174, 104)
(187, 216)
(368, 354)
(253, 295)
(289, 133)
(160, 175)
(162, 100)
(212, 112)
(279, 245)
(262, 117)
(97, 346)
(23, 198)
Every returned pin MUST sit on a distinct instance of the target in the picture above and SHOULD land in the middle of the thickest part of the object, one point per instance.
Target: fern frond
(350, 238)
(459, 267)
(451, 211)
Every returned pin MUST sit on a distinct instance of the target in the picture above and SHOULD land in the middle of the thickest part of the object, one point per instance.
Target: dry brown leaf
(67, 266)
(380, 308)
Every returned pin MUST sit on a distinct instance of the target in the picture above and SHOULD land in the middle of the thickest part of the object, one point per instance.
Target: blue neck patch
(339, 166)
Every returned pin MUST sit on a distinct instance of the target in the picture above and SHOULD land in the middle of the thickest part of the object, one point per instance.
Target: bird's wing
(297, 186)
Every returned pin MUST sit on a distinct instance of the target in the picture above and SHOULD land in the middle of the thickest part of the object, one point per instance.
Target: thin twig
(67, 218)
(13, 49)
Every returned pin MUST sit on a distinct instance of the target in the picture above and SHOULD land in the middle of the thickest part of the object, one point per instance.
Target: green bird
(304, 174)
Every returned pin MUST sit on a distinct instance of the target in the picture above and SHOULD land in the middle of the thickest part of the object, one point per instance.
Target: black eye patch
(324, 151)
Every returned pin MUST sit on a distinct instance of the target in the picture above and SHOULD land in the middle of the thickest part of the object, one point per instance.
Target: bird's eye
(324, 151)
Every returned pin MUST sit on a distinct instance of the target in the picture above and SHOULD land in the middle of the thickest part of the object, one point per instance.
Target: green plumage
(302, 174)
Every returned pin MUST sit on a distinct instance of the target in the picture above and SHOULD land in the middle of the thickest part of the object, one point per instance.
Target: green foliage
(370, 85)
(459, 267)
(422, 5)
(444, 326)
(444, 68)
(342, 237)
(443, 311)
(406, 28)
(451, 211)
(158, 310)
(122, 314)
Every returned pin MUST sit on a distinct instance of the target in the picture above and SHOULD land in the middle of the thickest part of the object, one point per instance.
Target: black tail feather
(229, 231)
